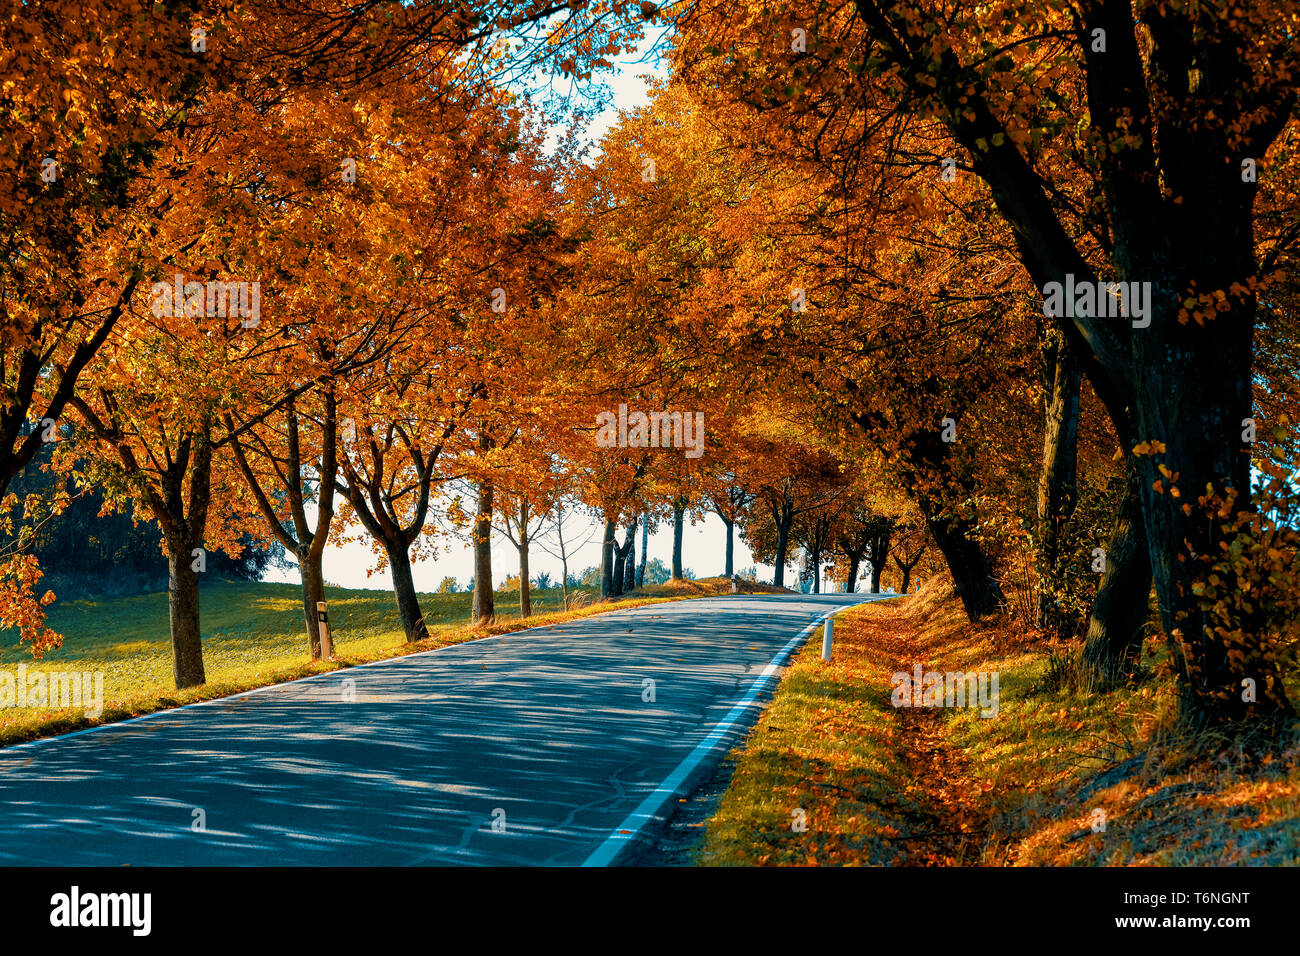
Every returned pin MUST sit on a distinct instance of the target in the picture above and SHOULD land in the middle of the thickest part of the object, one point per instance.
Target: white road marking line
(627, 831)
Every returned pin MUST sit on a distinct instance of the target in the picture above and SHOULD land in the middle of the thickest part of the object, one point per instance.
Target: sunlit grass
(820, 779)
(1031, 786)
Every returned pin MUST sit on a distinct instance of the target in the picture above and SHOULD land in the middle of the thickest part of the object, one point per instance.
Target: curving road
(542, 747)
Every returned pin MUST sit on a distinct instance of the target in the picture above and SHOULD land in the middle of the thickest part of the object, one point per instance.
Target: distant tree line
(84, 554)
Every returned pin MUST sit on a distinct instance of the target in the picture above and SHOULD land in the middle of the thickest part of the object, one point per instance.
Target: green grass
(879, 785)
(253, 634)
(245, 625)
(820, 779)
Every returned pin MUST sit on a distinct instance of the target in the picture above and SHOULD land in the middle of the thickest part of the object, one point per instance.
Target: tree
(298, 489)
(679, 519)
(388, 473)
(524, 517)
(864, 534)
(813, 532)
(563, 513)
(791, 480)
(909, 548)
(729, 503)
(1213, 86)
(77, 220)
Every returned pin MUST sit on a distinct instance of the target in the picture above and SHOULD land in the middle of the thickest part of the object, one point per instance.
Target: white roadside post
(827, 638)
(326, 645)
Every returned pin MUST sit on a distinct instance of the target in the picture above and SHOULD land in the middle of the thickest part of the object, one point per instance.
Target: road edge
(653, 812)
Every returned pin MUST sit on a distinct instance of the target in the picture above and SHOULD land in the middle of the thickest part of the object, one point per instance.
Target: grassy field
(253, 635)
(834, 774)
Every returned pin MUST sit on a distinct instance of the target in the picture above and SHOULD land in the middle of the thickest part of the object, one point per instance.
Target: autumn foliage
(319, 271)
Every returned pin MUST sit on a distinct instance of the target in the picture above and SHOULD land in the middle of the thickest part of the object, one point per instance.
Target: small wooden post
(326, 645)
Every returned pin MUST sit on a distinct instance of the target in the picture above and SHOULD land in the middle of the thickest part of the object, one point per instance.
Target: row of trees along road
(829, 238)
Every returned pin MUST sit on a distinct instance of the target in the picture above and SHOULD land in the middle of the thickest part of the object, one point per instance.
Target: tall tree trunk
(408, 605)
(1192, 391)
(623, 560)
(851, 584)
(1120, 608)
(782, 543)
(731, 546)
(972, 575)
(1197, 413)
(679, 513)
(645, 549)
(629, 566)
(307, 545)
(183, 610)
(906, 570)
(607, 562)
(878, 554)
(311, 569)
(1058, 479)
(564, 559)
(525, 594)
(877, 568)
(184, 534)
(484, 606)
(620, 569)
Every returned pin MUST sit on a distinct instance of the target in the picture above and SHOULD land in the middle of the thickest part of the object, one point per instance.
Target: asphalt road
(543, 747)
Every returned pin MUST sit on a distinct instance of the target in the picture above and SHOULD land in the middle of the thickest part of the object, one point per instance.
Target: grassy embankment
(1033, 785)
(253, 635)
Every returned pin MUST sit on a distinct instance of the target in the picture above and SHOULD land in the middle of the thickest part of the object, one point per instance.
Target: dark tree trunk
(906, 570)
(624, 558)
(855, 563)
(972, 575)
(525, 594)
(183, 609)
(877, 567)
(629, 566)
(878, 554)
(730, 569)
(307, 545)
(184, 533)
(645, 550)
(1120, 608)
(679, 513)
(408, 605)
(620, 570)
(311, 569)
(607, 562)
(953, 533)
(1194, 398)
(782, 543)
(1191, 391)
(1058, 480)
(484, 606)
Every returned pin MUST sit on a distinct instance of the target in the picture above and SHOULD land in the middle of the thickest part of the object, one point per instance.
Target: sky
(629, 85)
(703, 553)
(703, 544)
